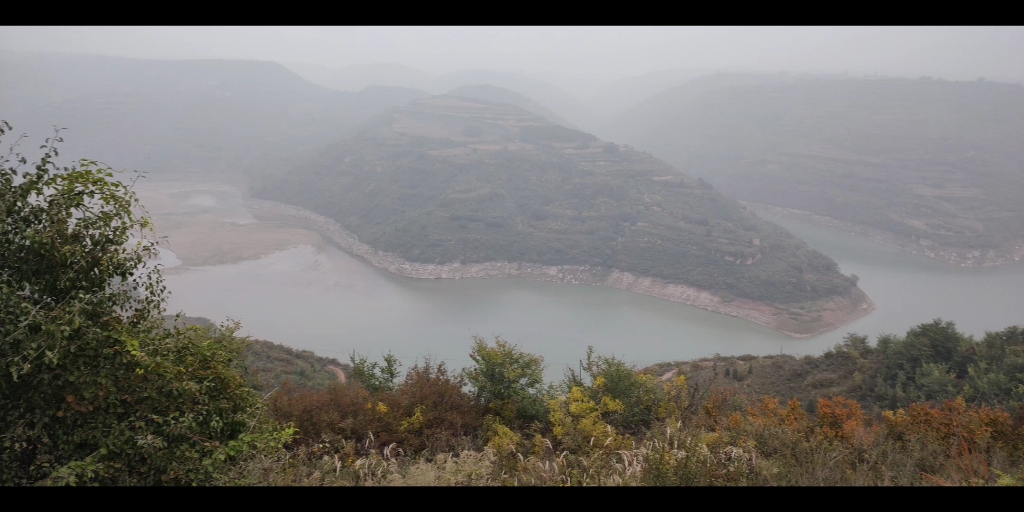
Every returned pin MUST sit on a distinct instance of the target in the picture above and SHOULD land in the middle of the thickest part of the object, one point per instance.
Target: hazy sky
(574, 56)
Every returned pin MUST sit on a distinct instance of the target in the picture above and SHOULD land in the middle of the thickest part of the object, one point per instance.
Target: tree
(94, 388)
(624, 383)
(507, 381)
(374, 376)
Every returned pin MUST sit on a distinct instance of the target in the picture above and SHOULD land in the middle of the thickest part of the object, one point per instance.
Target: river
(331, 303)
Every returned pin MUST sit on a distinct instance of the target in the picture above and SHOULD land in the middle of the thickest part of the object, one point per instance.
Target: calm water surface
(331, 303)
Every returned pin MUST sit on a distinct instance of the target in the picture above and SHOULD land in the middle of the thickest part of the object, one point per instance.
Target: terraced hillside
(453, 187)
(493, 93)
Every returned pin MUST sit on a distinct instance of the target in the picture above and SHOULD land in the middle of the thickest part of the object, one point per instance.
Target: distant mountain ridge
(561, 104)
(360, 76)
(619, 95)
(204, 116)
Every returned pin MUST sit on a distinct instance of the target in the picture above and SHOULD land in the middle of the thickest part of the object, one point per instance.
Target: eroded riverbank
(823, 317)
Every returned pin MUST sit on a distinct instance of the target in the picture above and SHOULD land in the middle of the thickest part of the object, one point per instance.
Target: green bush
(94, 388)
(507, 381)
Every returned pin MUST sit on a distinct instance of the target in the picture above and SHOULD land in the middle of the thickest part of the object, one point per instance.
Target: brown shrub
(436, 414)
(428, 411)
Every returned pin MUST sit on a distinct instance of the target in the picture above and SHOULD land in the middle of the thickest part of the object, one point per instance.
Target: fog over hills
(565, 106)
(207, 116)
(360, 76)
(930, 165)
(934, 160)
(614, 98)
(459, 181)
(561, 256)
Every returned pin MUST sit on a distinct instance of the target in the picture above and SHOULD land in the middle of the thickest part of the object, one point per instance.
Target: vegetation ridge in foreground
(833, 313)
(933, 407)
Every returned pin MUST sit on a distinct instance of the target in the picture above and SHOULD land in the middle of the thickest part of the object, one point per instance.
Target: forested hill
(456, 180)
(202, 116)
(935, 164)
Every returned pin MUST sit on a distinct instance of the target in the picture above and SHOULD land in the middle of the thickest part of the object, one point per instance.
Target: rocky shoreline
(830, 316)
(955, 256)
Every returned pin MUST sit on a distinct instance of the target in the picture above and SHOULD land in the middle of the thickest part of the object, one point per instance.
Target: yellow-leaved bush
(577, 423)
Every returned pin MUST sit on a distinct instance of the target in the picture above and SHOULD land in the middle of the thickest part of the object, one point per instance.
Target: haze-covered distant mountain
(624, 93)
(204, 116)
(360, 76)
(561, 104)
(497, 94)
(636, 124)
(929, 165)
(449, 180)
(564, 104)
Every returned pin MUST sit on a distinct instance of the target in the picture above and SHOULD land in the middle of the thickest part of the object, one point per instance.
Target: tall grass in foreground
(724, 440)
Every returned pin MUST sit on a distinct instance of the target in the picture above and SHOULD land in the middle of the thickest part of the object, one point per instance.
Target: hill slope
(446, 186)
(494, 93)
(618, 96)
(932, 166)
(269, 365)
(566, 104)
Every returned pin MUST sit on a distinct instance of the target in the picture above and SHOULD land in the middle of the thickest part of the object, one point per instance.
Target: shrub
(506, 381)
(94, 387)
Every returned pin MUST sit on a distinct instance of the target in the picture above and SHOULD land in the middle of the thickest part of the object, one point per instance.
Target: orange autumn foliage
(717, 406)
(794, 415)
(842, 418)
(767, 413)
(953, 422)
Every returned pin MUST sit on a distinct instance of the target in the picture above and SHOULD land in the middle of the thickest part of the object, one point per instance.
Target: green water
(333, 304)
